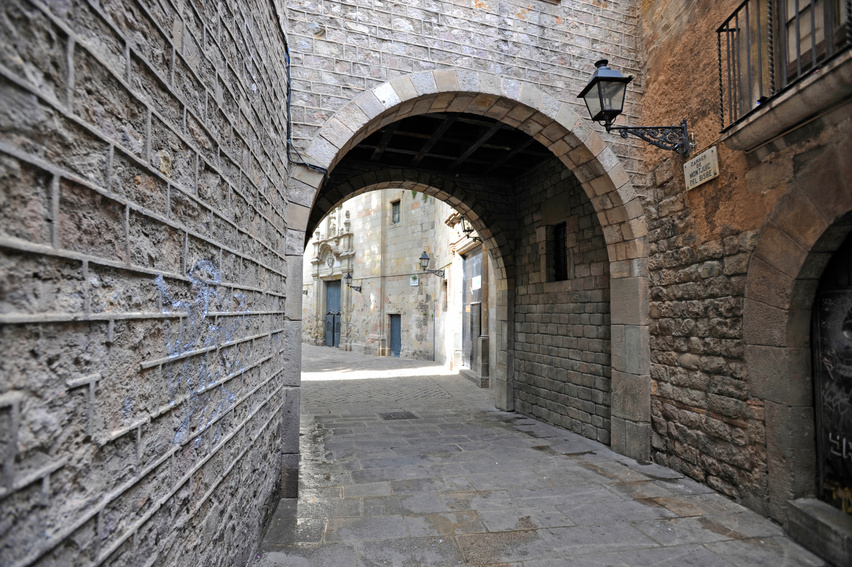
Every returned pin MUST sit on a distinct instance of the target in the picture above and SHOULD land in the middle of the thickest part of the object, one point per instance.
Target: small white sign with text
(701, 168)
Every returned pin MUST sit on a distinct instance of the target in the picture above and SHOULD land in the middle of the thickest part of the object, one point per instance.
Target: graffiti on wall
(208, 346)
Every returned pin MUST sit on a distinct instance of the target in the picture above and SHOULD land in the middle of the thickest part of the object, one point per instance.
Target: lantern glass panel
(612, 95)
(593, 101)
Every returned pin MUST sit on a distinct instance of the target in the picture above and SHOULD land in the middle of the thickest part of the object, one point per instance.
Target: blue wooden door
(332, 314)
(395, 334)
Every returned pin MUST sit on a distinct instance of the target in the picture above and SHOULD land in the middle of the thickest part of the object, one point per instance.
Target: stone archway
(603, 178)
(795, 245)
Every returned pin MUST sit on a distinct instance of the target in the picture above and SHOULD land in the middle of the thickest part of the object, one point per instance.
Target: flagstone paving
(466, 484)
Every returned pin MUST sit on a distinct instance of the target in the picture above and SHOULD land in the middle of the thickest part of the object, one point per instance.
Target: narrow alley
(405, 464)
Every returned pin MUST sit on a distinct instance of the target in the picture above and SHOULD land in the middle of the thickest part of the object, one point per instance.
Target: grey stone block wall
(346, 47)
(146, 416)
(562, 328)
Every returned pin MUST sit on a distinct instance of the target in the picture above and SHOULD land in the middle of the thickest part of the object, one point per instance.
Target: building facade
(166, 164)
(392, 306)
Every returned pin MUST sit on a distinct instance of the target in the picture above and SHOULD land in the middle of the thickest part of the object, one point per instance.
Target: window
(395, 212)
(767, 45)
(804, 34)
(444, 296)
(559, 257)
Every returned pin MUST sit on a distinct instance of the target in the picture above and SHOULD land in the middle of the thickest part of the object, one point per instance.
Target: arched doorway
(831, 343)
(802, 235)
(581, 154)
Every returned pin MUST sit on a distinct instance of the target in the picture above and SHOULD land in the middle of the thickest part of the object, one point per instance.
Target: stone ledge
(822, 529)
(824, 88)
(480, 381)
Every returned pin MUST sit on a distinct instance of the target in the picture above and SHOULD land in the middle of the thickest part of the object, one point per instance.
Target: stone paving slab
(465, 484)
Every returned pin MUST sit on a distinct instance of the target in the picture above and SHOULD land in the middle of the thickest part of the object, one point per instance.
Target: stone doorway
(831, 340)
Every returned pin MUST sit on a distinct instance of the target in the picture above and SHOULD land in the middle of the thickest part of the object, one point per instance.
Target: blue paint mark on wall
(198, 329)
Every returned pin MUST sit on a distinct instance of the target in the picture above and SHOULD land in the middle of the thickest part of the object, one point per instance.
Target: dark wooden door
(832, 350)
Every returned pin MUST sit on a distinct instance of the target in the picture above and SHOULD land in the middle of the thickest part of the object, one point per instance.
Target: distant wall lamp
(424, 265)
(604, 97)
(348, 279)
(467, 228)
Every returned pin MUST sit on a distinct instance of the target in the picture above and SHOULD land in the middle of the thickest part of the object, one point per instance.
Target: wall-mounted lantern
(348, 279)
(424, 265)
(604, 97)
(467, 229)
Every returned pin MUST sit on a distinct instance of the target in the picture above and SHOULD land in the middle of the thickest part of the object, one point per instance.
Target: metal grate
(393, 415)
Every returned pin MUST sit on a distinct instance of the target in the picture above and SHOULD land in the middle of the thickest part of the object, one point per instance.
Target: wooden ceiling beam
(476, 145)
(508, 157)
(383, 143)
(436, 136)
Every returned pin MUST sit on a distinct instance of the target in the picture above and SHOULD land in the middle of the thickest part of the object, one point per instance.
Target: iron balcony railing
(766, 46)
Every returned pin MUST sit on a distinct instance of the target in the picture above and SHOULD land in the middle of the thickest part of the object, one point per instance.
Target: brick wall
(706, 423)
(146, 412)
(562, 328)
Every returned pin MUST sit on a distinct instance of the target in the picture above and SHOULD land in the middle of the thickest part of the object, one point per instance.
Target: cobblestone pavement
(465, 484)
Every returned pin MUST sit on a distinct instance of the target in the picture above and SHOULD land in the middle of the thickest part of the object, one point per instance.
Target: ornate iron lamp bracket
(439, 273)
(673, 138)
(348, 279)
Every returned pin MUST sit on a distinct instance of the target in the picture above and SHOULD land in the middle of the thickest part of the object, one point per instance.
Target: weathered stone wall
(562, 328)
(147, 380)
(732, 403)
(706, 423)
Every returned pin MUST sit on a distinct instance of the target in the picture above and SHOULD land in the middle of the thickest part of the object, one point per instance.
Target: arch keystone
(468, 81)
(446, 80)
